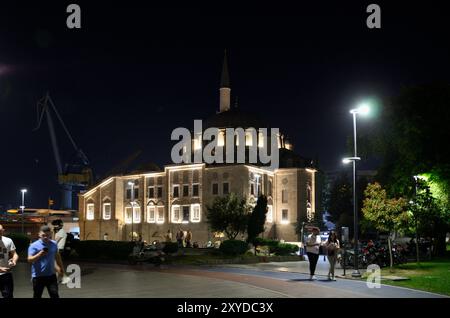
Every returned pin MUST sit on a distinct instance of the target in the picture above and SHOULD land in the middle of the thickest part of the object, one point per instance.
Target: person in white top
(60, 238)
(8, 259)
(312, 250)
(332, 250)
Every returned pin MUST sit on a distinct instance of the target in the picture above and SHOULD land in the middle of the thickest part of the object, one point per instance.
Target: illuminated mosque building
(150, 203)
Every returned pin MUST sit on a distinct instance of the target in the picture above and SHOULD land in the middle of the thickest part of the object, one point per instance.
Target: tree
(411, 136)
(257, 219)
(387, 215)
(318, 220)
(228, 214)
(338, 202)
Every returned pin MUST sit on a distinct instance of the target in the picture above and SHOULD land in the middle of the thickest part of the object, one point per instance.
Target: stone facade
(178, 197)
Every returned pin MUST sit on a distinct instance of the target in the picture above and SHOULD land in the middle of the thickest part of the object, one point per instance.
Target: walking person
(60, 238)
(180, 237)
(46, 262)
(8, 259)
(169, 236)
(312, 250)
(333, 246)
(188, 238)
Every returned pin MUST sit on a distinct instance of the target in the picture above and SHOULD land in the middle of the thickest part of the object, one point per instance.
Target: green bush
(114, 250)
(233, 247)
(272, 244)
(285, 249)
(170, 247)
(21, 241)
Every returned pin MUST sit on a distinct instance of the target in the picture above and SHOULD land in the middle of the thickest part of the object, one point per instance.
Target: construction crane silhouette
(74, 176)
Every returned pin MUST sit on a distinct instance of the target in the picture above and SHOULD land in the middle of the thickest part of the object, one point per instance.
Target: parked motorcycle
(147, 253)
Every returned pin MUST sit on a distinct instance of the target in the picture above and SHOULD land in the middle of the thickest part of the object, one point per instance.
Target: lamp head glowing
(130, 183)
(363, 109)
(350, 159)
(23, 190)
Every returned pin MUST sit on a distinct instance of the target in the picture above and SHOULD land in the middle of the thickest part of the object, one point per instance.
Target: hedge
(115, 250)
(272, 244)
(233, 247)
(170, 247)
(285, 249)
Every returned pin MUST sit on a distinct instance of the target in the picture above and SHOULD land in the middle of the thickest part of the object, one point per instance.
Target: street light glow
(363, 109)
(350, 159)
(23, 190)
(130, 183)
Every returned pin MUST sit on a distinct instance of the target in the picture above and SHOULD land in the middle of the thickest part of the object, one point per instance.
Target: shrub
(21, 241)
(233, 247)
(272, 244)
(116, 250)
(170, 247)
(285, 249)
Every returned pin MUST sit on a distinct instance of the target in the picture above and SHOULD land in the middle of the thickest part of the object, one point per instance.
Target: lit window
(160, 214)
(150, 214)
(137, 214)
(308, 191)
(198, 142)
(132, 215)
(176, 216)
(106, 211)
(269, 215)
(284, 216)
(309, 213)
(248, 138)
(128, 215)
(185, 214)
(195, 208)
(260, 139)
(221, 139)
(90, 211)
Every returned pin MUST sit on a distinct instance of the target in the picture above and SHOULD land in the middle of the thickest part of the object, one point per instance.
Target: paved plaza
(264, 280)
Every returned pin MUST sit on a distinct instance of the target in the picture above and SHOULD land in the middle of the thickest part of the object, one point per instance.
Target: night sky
(133, 74)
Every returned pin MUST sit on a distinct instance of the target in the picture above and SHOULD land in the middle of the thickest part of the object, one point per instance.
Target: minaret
(225, 90)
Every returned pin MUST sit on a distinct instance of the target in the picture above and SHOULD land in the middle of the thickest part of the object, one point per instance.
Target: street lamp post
(363, 109)
(132, 209)
(22, 207)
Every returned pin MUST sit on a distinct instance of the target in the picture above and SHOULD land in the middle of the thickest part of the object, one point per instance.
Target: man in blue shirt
(43, 254)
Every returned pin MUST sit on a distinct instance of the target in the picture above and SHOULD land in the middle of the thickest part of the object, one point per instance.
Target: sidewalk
(298, 267)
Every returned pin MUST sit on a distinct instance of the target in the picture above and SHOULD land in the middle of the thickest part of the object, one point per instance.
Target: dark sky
(134, 73)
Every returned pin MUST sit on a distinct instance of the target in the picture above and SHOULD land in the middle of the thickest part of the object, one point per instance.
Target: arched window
(133, 213)
(269, 215)
(90, 212)
(195, 213)
(107, 209)
(151, 213)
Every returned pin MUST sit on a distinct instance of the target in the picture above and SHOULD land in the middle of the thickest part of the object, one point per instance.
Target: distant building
(33, 219)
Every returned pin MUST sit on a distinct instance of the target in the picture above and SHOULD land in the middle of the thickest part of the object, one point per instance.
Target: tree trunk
(417, 244)
(390, 252)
